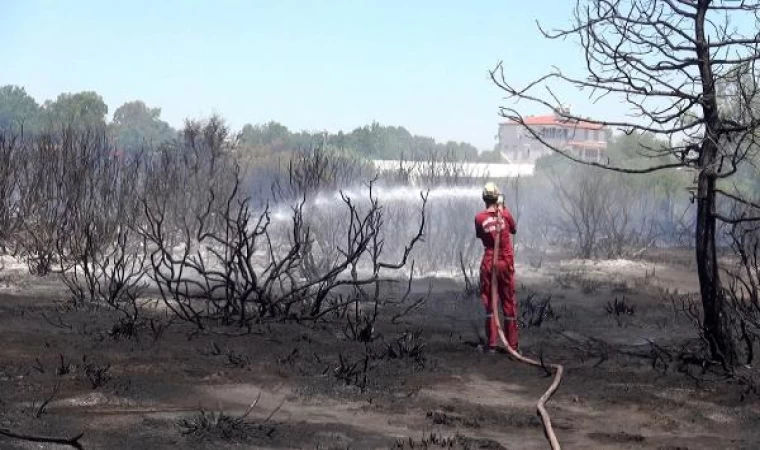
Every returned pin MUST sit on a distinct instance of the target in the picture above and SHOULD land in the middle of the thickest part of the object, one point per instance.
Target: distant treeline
(136, 125)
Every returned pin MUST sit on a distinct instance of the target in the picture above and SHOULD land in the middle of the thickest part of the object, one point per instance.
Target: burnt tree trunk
(716, 325)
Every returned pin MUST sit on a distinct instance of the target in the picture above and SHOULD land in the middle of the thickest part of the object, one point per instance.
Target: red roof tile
(557, 121)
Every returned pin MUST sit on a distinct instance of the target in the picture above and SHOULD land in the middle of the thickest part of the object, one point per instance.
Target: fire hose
(558, 369)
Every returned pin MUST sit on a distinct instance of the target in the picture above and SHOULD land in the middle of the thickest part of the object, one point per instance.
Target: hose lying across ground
(558, 369)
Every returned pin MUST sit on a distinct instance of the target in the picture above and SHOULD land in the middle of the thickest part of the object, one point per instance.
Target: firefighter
(485, 229)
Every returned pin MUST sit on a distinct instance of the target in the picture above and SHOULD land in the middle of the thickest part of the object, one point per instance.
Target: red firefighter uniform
(485, 230)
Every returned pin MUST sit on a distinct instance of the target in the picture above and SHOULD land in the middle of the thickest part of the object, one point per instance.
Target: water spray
(401, 194)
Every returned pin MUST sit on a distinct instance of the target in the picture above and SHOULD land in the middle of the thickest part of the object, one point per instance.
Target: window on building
(554, 133)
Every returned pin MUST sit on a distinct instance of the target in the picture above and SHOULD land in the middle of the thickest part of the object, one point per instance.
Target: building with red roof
(584, 140)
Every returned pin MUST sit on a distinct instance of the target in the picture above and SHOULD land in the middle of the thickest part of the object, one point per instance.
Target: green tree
(135, 124)
(388, 142)
(637, 148)
(492, 156)
(461, 150)
(373, 141)
(271, 134)
(83, 110)
(18, 109)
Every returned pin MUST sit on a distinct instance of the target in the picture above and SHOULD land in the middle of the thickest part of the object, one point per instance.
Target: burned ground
(419, 383)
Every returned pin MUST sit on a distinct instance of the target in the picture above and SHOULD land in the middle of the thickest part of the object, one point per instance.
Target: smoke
(569, 213)
(448, 233)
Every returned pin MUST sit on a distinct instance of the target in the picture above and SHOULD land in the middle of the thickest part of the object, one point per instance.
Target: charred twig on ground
(361, 329)
(688, 306)
(414, 305)
(237, 360)
(274, 411)
(533, 313)
(352, 372)
(70, 442)
(619, 308)
(63, 368)
(157, 328)
(96, 373)
(39, 411)
(592, 347)
(38, 366)
(212, 350)
(59, 323)
(590, 285)
(661, 357)
(409, 345)
(218, 424)
(471, 287)
(125, 328)
(434, 440)
(547, 370)
(291, 358)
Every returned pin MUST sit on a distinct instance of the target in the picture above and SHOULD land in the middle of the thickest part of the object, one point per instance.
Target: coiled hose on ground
(558, 369)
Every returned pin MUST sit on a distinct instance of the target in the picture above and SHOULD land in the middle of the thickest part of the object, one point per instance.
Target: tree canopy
(17, 108)
(79, 110)
(135, 124)
(374, 141)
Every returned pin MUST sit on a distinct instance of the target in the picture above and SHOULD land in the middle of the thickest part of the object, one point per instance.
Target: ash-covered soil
(420, 383)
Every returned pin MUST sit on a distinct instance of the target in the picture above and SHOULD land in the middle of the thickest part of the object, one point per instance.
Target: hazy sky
(309, 64)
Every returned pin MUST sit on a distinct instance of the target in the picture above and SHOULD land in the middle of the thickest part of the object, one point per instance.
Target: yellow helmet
(491, 192)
